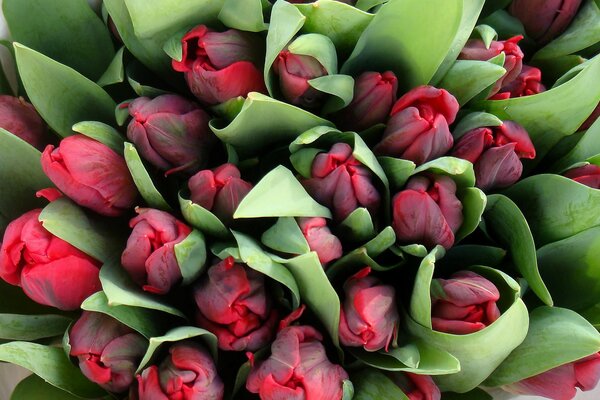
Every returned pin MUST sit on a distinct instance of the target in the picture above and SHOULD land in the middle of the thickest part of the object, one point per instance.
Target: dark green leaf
(285, 236)
(467, 78)
(587, 146)
(32, 327)
(358, 226)
(115, 72)
(142, 179)
(371, 384)
(475, 394)
(202, 219)
(35, 388)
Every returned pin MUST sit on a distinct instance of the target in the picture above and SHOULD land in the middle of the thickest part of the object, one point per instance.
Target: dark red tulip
(544, 19)
(588, 175)
(294, 71)
(22, 120)
(320, 239)
(529, 82)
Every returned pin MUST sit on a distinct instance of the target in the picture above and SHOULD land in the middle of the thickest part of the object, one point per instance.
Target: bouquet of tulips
(241, 199)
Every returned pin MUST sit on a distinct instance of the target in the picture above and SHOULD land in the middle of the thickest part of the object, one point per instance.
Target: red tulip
(588, 175)
(233, 304)
(22, 120)
(416, 387)
(320, 239)
(91, 174)
(294, 71)
(528, 83)
(544, 19)
(219, 66)
(465, 303)
(418, 127)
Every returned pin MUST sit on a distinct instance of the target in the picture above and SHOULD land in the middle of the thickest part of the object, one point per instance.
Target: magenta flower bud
(464, 304)
(528, 83)
(170, 132)
(374, 95)
(108, 351)
(233, 304)
(149, 257)
(418, 127)
(219, 190)
(188, 372)
(91, 174)
(544, 19)
(298, 368)
(341, 183)
(320, 239)
(588, 175)
(427, 211)
(562, 382)
(294, 71)
(219, 66)
(22, 120)
(416, 387)
(369, 317)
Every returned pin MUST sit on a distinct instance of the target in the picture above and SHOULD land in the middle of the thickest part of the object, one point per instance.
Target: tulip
(591, 119)
(219, 190)
(416, 387)
(562, 382)
(526, 84)
(374, 95)
(495, 153)
(233, 304)
(298, 368)
(320, 239)
(219, 66)
(108, 351)
(188, 372)
(544, 19)
(588, 175)
(341, 183)
(418, 126)
(91, 174)
(294, 71)
(369, 317)
(150, 254)
(22, 120)
(463, 304)
(427, 211)
(170, 132)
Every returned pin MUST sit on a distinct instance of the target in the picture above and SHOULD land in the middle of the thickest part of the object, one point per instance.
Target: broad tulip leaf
(474, 120)
(467, 78)
(52, 365)
(473, 201)
(461, 171)
(556, 336)
(397, 170)
(67, 31)
(587, 146)
(505, 24)
(341, 87)
(471, 254)
(243, 15)
(371, 384)
(285, 236)
(142, 179)
(555, 68)
(358, 226)
(32, 327)
(35, 388)
(505, 222)
(101, 132)
(317, 46)
(191, 256)
(415, 50)
(115, 72)
(202, 219)
(486, 33)
(60, 94)
(420, 302)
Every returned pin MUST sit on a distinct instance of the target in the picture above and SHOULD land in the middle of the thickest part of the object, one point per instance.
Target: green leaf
(554, 68)
(556, 336)
(67, 31)
(348, 390)
(418, 48)
(279, 194)
(191, 256)
(461, 171)
(139, 88)
(397, 170)
(32, 327)
(358, 226)
(475, 394)
(202, 219)
(52, 365)
(371, 384)
(420, 302)
(367, 5)
(318, 46)
(115, 72)
(474, 120)
(35, 388)
(341, 87)
(587, 146)
(142, 179)
(505, 24)
(57, 91)
(467, 78)
(285, 236)
(243, 15)
(473, 201)
(486, 33)
(101, 132)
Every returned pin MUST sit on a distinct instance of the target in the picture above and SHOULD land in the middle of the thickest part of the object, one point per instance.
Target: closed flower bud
(463, 304)
(320, 239)
(369, 316)
(170, 132)
(544, 19)
(91, 174)
(341, 183)
(416, 387)
(108, 351)
(233, 304)
(529, 82)
(150, 254)
(219, 66)
(188, 372)
(588, 175)
(219, 190)
(427, 211)
(22, 120)
(418, 127)
(294, 71)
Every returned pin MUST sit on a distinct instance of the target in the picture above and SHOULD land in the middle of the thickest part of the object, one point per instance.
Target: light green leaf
(473, 201)
(461, 171)
(32, 327)
(397, 170)
(474, 120)
(115, 72)
(101, 132)
(142, 179)
(486, 33)
(348, 390)
(358, 226)
(371, 384)
(587, 146)
(285, 236)
(202, 219)
(467, 78)
(35, 388)
(339, 86)
(191, 256)
(243, 15)
(420, 302)
(318, 46)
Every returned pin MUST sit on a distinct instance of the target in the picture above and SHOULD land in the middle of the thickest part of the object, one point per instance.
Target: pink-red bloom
(294, 71)
(529, 82)
(108, 351)
(150, 254)
(219, 66)
(544, 19)
(463, 304)
(233, 304)
(418, 126)
(588, 175)
(369, 316)
(320, 239)
(22, 120)
(91, 174)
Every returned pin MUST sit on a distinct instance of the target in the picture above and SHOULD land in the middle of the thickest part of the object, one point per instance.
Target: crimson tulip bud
(320, 239)
(544, 19)
(475, 49)
(294, 71)
(526, 84)
(588, 175)
(91, 174)
(219, 66)
(108, 351)
(170, 132)
(374, 95)
(233, 304)
(369, 317)
(496, 152)
(562, 382)
(418, 127)
(188, 372)
(427, 211)
(591, 119)
(463, 304)
(22, 120)
(341, 183)
(219, 190)
(416, 387)
(298, 368)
